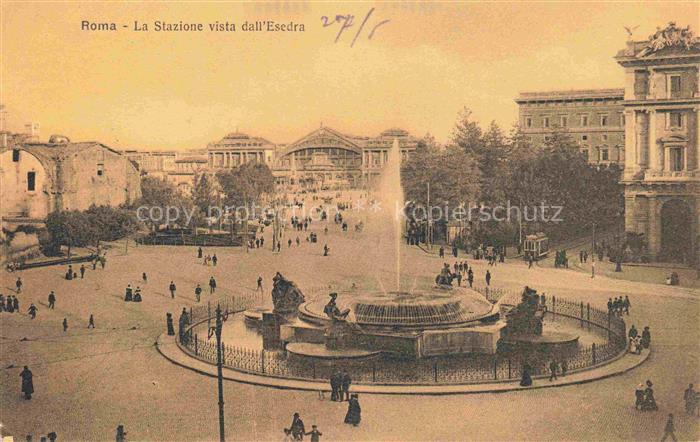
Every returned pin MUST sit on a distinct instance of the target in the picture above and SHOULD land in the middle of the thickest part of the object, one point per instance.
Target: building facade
(327, 158)
(238, 148)
(39, 178)
(593, 117)
(661, 174)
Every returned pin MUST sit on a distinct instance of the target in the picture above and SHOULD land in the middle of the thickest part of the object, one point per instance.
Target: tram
(536, 245)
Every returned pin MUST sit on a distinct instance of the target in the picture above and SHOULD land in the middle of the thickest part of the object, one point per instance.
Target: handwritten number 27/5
(348, 21)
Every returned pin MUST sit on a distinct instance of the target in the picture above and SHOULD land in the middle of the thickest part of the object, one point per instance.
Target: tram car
(536, 245)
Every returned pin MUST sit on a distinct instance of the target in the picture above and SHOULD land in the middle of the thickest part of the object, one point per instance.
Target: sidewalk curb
(183, 360)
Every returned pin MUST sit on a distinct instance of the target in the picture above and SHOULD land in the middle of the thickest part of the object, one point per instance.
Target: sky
(182, 90)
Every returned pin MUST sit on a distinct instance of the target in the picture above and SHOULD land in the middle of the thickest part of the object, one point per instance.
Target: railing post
(435, 371)
(196, 347)
(262, 360)
(374, 372)
(581, 314)
(495, 369)
(593, 352)
(554, 307)
(588, 314)
(509, 373)
(609, 317)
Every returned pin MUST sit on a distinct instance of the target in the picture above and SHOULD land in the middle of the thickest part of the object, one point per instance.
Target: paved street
(113, 374)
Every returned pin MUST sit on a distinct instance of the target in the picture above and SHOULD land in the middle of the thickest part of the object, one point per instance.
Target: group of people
(637, 341)
(132, 295)
(644, 397)
(340, 386)
(618, 306)
(70, 274)
(297, 431)
(560, 259)
(9, 304)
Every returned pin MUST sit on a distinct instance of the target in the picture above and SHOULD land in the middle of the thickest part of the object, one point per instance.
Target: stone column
(630, 225)
(631, 164)
(654, 230)
(655, 156)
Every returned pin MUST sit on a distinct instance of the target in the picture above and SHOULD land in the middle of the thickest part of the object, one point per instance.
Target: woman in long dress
(354, 414)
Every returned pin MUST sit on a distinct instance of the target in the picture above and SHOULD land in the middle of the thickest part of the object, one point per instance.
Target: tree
(70, 229)
(246, 185)
(203, 194)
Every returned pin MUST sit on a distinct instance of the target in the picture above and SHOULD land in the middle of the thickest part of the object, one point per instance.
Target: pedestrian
(530, 260)
(564, 368)
(626, 304)
(297, 428)
(18, 284)
(169, 323)
(354, 414)
(129, 294)
(52, 436)
(298, 242)
(649, 403)
(488, 278)
(91, 321)
(552, 370)
(455, 252)
(669, 429)
(646, 337)
(52, 300)
(259, 287)
(459, 279)
(345, 386)
(639, 396)
(315, 434)
(326, 249)
(470, 277)
(172, 288)
(199, 253)
(65, 325)
(27, 382)
(144, 277)
(610, 306)
(526, 379)
(82, 271)
(289, 242)
(15, 304)
(32, 311)
(690, 396)
(137, 294)
(441, 252)
(121, 434)
(198, 293)
(212, 285)
(335, 386)
(214, 259)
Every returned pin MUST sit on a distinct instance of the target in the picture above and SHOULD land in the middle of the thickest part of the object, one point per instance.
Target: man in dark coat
(297, 427)
(82, 271)
(199, 252)
(27, 383)
(470, 277)
(354, 414)
(552, 370)
(172, 288)
(646, 337)
(18, 284)
(488, 277)
(441, 252)
(345, 386)
(52, 300)
(212, 285)
(335, 386)
(169, 321)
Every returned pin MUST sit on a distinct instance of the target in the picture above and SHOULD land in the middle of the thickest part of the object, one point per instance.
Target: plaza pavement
(89, 381)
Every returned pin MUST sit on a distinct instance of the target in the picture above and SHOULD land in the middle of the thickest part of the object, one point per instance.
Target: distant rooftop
(573, 94)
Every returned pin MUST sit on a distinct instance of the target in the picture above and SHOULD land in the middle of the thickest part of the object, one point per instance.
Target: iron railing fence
(458, 369)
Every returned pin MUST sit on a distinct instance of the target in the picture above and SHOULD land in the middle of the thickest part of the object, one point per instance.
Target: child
(315, 434)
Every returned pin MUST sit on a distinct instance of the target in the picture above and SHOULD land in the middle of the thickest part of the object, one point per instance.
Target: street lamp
(216, 329)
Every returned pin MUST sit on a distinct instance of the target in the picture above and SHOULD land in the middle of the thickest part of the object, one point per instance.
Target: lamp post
(219, 370)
